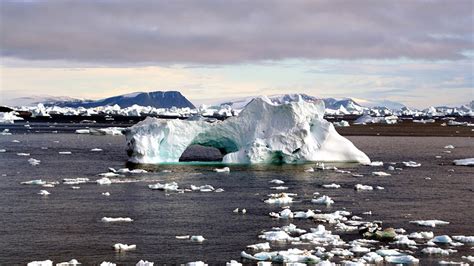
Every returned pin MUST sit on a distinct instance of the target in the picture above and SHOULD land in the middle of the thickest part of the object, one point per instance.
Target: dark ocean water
(66, 224)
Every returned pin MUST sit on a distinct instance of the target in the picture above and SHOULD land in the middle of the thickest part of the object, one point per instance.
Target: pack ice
(263, 132)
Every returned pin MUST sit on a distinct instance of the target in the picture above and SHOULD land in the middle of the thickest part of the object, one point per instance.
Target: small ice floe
(83, 131)
(34, 182)
(277, 181)
(291, 256)
(44, 193)
(15, 141)
(421, 235)
(403, 240)
(144, 263)
(375, 163)
(219, 190)
(196, 263)
(205, 188)
(360, 187)
(367, 213)
(107, 194)
(449, 147)
(309, 170)
(372, 258)
(333, 185)
(109, 174)
(464, 239)
(172, 186)
(183, 237)
(285, 214)
(447, 151)
(469, 258)
(391, 168)
(438, 251)
(411, 164)
(75, 181)
(233, 263)
(464, 162)
(5, 132)
(379, 188)
(402, 259)
(429, 223)
(280, 198)
(103, 181)
(279, 188)
(381, 173)
(3, 150)
(443, 239)
(65, 152)
(106, 263)
(23, 154)
(74, 187)
(198, 239)
(96, 149)
(325, 200)
(41, 263)
(72, 262)
(222, 170)
(259, 246)
(357, 175)
(34, 162)
(116, 220)
(124, 247)
(320, 166)
(51, 184)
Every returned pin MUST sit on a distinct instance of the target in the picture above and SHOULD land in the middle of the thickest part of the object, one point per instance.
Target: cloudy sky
(419, 53)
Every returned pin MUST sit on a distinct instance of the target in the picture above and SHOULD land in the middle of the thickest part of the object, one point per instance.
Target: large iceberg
(263, 132)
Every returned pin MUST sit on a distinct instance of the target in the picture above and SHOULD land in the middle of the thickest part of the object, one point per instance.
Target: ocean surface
(67, 223)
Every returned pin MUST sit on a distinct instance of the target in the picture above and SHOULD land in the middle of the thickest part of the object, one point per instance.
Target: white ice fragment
(106, 263)
(443, 239)
(469, 258)
(372, 257)
(277, 181)
(449, 147)
(375, 163)
(233, 263)
(183, 237)
(411, 164)
(116, 220)
(44, 193)
(309, 170)
(96, 149)
(279, 188)
(198, 239)
(421, 235)
(15, 141)
(359, 249)
(333, 185)
(34, 162)
(403, 240)
(436, 250)
(360, 187)
(109, 174)
(379, 188)
(260, 246)
(34, 182)
(75, 181)
(430, 223)
(381, 173)
(65, 152)
(464, 162)
(402, 259)
(144, 263)
(219, 190)
(391, 168)
(41, 263)
(83, 131)
(172, 186)
(357, 175)
(104, 181)
(72, 262)
(74, 187)
(279, 198)
(222, 170)
(464, 239)
(325, 200)
(23, 154)
(196, 263)
(3, 150)
(124, 247)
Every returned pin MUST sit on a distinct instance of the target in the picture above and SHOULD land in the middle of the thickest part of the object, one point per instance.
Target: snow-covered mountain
(157, 99)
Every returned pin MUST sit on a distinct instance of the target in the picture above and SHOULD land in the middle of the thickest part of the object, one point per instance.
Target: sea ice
(402, 259)
(279, 198)
(83, 131)
(440, 251)
(464, 162)
(375, 163)
(260, 246)
(198, 239)
(412, 164)
(124, 247)
(263, 132)
(449, 147)
(333, 185)
(222, 170)
(106, 263)
(196, 263)
(279, 188)
(360, 187)
(34, 182)
(72, 262)
(144, 263)
(96, 149)
(116, 220)
(309, 170)
(325, 200)
(421, 235)
(41, 263)
(44, 193)
(75, 181)
(430, 223)
(233, 263)
(172, 186)
(444, 239)
(277, 181)
(104, 181)
(65, 152)
(380, 173)
(464, 239)
(34, 162)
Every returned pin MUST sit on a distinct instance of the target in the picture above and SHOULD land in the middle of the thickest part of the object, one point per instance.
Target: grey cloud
(215, 32)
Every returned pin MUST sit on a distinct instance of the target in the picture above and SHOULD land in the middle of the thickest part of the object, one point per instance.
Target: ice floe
(380, 173)
(421, 235)
(429, 223)
(172, 186)
(222, 170)
(464, 162)
(198, 239)
(144, 263)
(360, 187)
(124, 247)
(41, 263)
(116, 220)
(34, 162)
(464, 239)
(439, 251)
(277, 181)
(333, 185)
(72, 262)
(104, 181)
(325, 200)
(412, 164)
(279, 198)
(75, 181)
(44, 193)
(96, 149)
(65, 152)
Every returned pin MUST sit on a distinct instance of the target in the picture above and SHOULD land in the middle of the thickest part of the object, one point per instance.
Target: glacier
(263, 132)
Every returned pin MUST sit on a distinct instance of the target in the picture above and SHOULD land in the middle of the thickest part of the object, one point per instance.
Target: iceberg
(263, 132)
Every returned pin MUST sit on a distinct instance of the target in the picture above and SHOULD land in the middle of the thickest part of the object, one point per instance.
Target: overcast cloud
(227, 32)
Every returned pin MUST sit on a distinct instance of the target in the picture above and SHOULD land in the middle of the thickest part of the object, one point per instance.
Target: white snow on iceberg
(264, 132)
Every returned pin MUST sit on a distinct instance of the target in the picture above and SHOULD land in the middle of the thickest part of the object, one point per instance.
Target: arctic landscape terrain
(279, 179)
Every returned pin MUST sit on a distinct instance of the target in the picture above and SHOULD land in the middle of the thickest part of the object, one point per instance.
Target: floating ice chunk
(15, 141)
(279, 198)
(342, 123)
(233, 263)
(357, 175)
(275, 236)
(113, 131)
(372, 257)
(34, 182)
(72, 262)
(109, 174)
(196, 263)
(144, 263)
(34, 162)
(443, 262)
(116, 220)
(198, 239)
(444, 239)
(304, 215)
(73, 187)
(469, 258)
(380, 173)
(430, 223)
(236, 210)
(309, 170)
(326, 200)
(41, 263)
(402, 259)
(277, 181)
(411, 164)
(104, 181)
(440, 251)
(421, 235)
(388, 252)
(124, 247)
(379, 188)
(222, 170)
(205, 188)
(96, 149)
(3, 150)
(44, 193)
(183, 237)
(65, 152)
(464, 162)
(464, 239)
(279, 188)
(333, 185)
(260, 246)
(138, 171)
(360, 187)
(391, 168)
(75, 181)
(375, 163)
(449, 147)
(403, 240)
(359, 249)
(106, 263)
(172, 186)
(244, 211)
(83, 131)
(264, 263)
